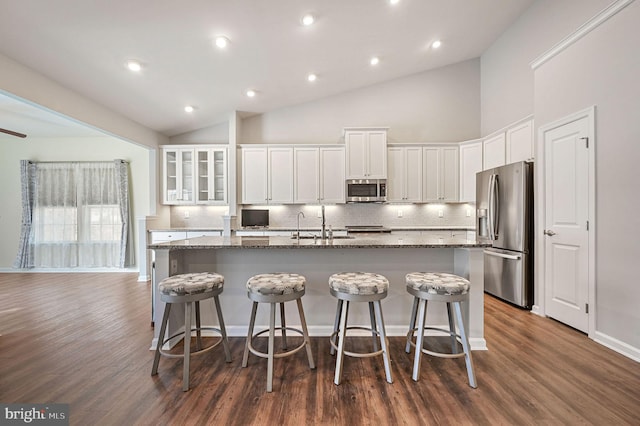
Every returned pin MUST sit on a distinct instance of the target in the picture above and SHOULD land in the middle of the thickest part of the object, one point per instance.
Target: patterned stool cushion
(358, 283)
(278, 283)
(182, 284)
(438, 283)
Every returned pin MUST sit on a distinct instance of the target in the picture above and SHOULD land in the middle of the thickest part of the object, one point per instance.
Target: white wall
(603, 69)
(51, 149)
(507, 88)
(216, 134)
(441, 105)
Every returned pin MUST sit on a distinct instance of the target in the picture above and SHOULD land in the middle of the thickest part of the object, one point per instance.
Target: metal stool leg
(336, 323)
(412, 324)
(422, 315)
(465, 346)
(283, 324)
(374, 329)
(163, 329)
(383, 341)
(305, 334)
(198, 332)
(252, 322)
(272, 332)
(452, 329)
(223, 330)
(187, 345)
(342, 334)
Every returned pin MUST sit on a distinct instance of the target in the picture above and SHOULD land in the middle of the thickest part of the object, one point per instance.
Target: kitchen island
(238, 258)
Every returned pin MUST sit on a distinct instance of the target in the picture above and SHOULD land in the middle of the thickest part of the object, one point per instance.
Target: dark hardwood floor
(83, 339)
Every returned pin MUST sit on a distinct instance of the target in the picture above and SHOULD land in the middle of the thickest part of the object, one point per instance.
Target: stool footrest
(182, 333)
(432, 353)
(279, 354)
(357, 354)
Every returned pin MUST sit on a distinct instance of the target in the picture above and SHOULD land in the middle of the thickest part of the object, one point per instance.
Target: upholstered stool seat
(187, 289)
(439, 287)
(359, 287)
(276, 288)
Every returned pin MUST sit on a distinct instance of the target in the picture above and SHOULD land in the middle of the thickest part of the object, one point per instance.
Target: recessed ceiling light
(251, 93)
(134, 66)
(394, 1)
(222, 41)
(374, 61)
(189, 108)
(436, 44)
(308, 19)
(312, 77)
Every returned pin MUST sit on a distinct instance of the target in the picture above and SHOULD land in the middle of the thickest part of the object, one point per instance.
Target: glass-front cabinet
(194, 175)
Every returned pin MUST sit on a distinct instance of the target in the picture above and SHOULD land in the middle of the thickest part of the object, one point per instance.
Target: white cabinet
(404, 182)
(519, 141)
(440, 174)
(470, 164)
(366, 153)
(267, 175)
(493, 152)
(211, 173)
(195, 234)
(319, 175)
(178, 185)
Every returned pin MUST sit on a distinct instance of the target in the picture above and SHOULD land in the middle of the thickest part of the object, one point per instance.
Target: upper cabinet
(366, 153)
(194, 175)
(404, 182)
(267, 175)
(319, 174)
(493, 151)
(211, 174)
(520, 142)
(470, 164)
(440, 174)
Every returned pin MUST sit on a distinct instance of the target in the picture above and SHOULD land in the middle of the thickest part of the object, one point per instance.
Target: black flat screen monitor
(255, 218)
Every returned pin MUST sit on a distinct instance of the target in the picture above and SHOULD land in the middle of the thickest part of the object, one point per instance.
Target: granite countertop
(365, 241)
(314, 229)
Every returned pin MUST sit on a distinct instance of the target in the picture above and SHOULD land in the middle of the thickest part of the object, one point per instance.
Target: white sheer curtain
(79, 215)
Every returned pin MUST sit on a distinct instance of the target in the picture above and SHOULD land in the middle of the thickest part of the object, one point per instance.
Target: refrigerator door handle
(496, 207)
(502, 255)
(490, 209)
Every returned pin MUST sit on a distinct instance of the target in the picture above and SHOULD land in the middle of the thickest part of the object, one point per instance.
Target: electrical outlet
(440, 213)
(468, 213)
(174, 267)
(186, 214)
(319, 212)
(399, 213)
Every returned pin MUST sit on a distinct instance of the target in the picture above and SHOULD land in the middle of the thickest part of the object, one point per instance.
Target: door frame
(539, 225)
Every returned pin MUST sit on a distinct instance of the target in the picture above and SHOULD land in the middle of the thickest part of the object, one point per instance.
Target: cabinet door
(470, 164)
(376, 155)
(449, 174)
(356, 143)
(520, 142)
(170, 180)
(431, 174)
(178, 181)
(413, 174)
(254, 175)
(396, 174)
(332, 180)
(306, 175)
(494, 151)
(280, 175)
(186, 176)
(211, 176)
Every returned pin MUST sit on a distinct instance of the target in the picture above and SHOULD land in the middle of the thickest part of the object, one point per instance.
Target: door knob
(549, 232)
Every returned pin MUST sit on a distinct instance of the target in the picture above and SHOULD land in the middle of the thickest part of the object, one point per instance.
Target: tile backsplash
(338, 216)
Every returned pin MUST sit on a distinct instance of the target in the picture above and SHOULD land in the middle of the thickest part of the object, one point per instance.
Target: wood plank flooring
(83, 339)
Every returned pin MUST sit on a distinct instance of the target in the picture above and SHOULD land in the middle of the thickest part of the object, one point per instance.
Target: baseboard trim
(618, 346)
(144, 278)
(537, 311)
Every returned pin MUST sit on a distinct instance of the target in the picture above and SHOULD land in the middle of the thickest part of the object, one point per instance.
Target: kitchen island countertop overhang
(238, 258)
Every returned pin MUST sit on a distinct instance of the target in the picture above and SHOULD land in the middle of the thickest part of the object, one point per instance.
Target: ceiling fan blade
(12, 133)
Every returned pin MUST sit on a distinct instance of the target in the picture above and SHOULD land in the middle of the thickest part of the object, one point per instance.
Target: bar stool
(438, 287)
(276, 288)
(187, 289)
(359, 287)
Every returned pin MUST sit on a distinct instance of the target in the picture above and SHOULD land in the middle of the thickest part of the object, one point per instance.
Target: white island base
(239, 264)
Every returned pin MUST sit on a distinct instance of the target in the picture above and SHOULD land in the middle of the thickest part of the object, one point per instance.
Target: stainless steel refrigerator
(504, 202)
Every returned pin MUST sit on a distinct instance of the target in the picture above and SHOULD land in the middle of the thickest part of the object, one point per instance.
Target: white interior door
(566, 223)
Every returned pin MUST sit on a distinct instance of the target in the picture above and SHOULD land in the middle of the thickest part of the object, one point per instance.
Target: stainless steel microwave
(366, 190)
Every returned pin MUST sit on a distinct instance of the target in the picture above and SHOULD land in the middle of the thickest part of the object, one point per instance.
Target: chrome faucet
(298, 233)
(323, 232)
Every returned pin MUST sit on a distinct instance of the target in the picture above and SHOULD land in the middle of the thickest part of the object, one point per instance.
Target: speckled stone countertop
(313, 229)
(364, 241)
